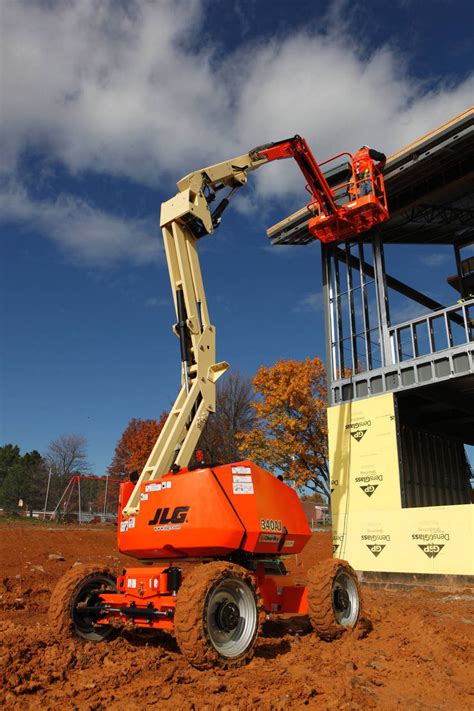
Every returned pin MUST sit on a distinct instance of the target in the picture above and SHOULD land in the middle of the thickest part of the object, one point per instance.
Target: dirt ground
(418, 656)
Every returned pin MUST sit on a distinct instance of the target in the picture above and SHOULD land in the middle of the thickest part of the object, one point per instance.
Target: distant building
(316, 514)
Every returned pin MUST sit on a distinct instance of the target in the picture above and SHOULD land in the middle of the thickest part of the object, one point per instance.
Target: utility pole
(78, 478)
(47, 494)
(105, 496)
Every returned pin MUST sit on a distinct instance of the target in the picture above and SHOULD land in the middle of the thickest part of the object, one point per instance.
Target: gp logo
(431, 549)
(369, 489)
(376, 549)
(358, 434)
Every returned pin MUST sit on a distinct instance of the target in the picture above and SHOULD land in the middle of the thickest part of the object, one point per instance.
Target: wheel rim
(87, 595)
(345, 599)
(231, 616)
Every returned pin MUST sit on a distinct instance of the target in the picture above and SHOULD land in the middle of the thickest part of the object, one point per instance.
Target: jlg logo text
(161, 516)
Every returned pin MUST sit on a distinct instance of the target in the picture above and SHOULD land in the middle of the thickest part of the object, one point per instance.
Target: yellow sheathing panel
(436, 539)
(363, 455)
(370, 528)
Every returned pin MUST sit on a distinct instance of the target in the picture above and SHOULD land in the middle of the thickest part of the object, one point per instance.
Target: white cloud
(154, 302)
(339, 102)
(280, 250)
(84, 233)
(126, 88)
(311, 302)
(406, 311)
(109, 86)
(436, 259)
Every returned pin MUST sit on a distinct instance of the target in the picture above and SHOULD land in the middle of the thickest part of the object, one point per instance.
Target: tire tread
(189, 619)
(59, 612)
(320, 609)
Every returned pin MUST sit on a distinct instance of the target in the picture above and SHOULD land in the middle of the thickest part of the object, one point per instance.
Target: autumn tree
(234, 415)
(135, 445)
(290, 436)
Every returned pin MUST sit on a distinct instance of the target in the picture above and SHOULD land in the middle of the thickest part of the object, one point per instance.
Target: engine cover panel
(212, 513)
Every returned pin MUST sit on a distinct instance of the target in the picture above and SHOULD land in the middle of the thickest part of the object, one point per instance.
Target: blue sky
(105, 105)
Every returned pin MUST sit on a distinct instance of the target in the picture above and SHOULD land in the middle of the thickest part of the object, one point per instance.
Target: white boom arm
(184, 219)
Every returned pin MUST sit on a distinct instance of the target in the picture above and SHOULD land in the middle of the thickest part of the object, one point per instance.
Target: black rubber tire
(190, 623)
(320, 597)
(60, 613)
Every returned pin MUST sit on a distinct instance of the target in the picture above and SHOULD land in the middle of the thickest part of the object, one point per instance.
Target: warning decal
(242, 488)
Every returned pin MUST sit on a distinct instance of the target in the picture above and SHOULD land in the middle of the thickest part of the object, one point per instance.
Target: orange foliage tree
(135, 445)
(290, 437)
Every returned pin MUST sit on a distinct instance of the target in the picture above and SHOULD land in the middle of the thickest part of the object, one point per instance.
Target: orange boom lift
(211, 538)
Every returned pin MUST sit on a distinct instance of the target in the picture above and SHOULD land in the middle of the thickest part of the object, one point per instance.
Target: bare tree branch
(234, 415)
(67, 455)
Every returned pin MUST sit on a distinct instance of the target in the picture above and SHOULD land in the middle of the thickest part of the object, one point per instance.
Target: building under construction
(401, 394)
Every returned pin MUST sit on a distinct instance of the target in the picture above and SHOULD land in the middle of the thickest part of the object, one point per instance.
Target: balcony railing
(433, 332)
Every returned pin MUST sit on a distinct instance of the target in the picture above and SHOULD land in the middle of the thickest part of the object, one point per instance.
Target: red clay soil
(418, 656)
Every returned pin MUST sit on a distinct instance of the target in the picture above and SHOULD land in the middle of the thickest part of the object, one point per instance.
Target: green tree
(9, 455)
(12, 488)
(22, 477)
(35, 479)
(11, 477)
